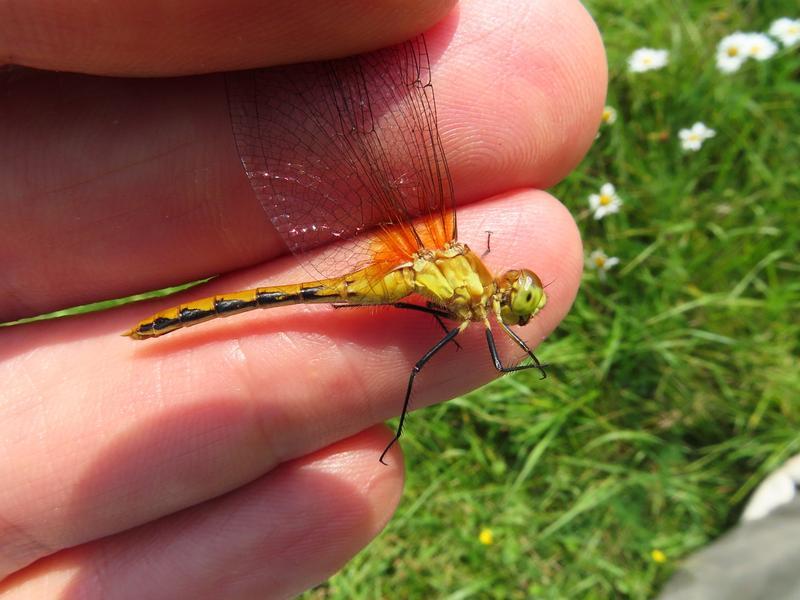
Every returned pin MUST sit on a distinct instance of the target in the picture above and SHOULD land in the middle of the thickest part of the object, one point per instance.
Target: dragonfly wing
(347, 149)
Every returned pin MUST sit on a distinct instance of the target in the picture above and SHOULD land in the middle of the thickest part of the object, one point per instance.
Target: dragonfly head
(521, 296)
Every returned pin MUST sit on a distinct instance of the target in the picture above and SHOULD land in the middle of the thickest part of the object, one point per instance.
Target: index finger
(137, 184)
(180, 38)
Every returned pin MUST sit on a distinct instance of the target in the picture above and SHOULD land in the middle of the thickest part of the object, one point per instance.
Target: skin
(239, 458)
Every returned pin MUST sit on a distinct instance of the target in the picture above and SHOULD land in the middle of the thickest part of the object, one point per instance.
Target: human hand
(240, 458)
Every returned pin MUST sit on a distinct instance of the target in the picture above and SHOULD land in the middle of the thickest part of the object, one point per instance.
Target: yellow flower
(486, 536)
(658, 556)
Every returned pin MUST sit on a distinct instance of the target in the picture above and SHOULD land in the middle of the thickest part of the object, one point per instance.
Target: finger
(281, 534)
(101, 433)
(180, 38)
(145, 190)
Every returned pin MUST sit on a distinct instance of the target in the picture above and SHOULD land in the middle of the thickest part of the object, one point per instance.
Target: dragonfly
(346, 159)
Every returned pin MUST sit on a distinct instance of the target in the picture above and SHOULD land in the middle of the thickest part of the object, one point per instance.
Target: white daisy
(692, 139)
(606, 202)
(732, 52)
(647, 59)
(734, 49)
(609, 115)
(760, 46)
(786, 30)
(601, 262)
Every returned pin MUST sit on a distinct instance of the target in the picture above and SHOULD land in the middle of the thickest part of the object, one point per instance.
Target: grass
(676, 379)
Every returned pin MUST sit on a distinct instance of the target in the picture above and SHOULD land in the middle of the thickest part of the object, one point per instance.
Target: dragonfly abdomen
(354, 289)
(224, 305)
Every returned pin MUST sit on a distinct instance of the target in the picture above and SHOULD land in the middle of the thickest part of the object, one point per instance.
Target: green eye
(524, 297)
(526, 301)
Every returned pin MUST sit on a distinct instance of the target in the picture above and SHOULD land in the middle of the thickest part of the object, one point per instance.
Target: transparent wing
(347, 149)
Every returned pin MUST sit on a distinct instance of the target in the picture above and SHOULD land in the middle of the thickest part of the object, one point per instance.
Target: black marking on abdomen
(145, 328)
(160, 324)
(267, 298)
(311, 293)
(190, 315)
(226, 305)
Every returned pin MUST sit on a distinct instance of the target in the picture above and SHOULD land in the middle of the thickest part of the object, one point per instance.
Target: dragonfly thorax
(456, 279)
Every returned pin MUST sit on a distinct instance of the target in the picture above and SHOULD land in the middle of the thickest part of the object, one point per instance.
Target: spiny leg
(437, 313)
(417, 368)
(521, 343)
(496, 357)
(428, 308)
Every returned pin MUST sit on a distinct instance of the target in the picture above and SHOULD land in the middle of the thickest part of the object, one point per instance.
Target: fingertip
(359, 456)
(521, 103)
(531, 229)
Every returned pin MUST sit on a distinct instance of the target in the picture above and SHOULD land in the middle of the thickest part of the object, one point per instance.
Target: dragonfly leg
(437, 313)
(521, 343)
(429, 308)
(488, 244)
(417, 368)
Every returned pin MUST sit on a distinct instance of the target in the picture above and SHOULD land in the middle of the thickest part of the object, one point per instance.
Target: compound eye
(527, 297)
